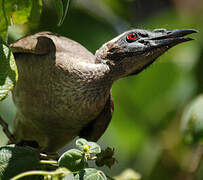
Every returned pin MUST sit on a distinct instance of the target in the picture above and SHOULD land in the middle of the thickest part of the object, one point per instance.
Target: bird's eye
(131, 37)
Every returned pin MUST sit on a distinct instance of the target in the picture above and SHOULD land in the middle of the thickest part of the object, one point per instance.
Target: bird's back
(53, 98)
(43, 42)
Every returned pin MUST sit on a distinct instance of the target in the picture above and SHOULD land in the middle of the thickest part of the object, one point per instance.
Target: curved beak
(171, 38)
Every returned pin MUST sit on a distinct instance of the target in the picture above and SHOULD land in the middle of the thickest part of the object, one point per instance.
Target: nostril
(143, 42)
(144, 35)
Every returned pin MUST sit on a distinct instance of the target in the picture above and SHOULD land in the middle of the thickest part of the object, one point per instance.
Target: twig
(48, 162)
(53, 156)
(6, 131)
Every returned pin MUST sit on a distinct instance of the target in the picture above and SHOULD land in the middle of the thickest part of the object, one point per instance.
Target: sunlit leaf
(192, 121)
(8, 70)
(26, 11)
(94, 147)
(69, 177)
(6, 8)
(18, 12)
(128, 174)
(80, 143)
(85, 146)
(90, 174)
(22, 11)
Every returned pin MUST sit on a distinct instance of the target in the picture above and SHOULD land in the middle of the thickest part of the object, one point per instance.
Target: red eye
(131, 37)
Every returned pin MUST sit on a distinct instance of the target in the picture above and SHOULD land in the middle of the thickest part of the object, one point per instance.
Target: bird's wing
(94, 130)
(43, 43)
(39, 43)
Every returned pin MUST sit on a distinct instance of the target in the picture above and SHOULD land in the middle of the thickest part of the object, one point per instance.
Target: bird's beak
(158, 42)
(171, 38)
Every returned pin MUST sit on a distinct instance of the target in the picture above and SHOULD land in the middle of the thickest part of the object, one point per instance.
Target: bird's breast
(79, 103)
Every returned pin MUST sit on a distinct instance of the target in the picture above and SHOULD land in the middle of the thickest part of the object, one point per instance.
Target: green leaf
(192, 121)
(62, 9)
(35, 12)
(15, 160)
(73, 160)
(20, 12)
(90, 174)
(128, 174)
(69, 177)
(59, 8)
(6, 8)
(27, 11)
(94, 147)
(85, 146)
(80, 143)
(8, 70)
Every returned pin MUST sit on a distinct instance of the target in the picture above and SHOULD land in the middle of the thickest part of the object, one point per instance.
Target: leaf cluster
(25, 163)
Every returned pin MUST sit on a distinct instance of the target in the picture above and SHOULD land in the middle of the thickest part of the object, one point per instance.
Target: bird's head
(134, 50)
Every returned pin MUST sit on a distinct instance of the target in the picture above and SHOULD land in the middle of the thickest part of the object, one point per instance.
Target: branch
(10, 136)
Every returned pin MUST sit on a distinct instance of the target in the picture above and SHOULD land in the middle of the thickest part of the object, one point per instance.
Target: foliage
(61, 9)
(73, 164)
(19, 12)
(192, 121)
(105, 158)
(8, 70)
(147, 116)
(128, 174)
(16, 159)
(73, 159)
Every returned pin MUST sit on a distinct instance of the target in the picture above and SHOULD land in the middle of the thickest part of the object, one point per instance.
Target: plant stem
(58, 172)
(92, 158)
(48, 162)
(30, 173)
(10, 136)
(49, 156)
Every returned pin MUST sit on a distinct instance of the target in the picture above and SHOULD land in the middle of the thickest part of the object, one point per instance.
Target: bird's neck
(93, 73)
(88, 88)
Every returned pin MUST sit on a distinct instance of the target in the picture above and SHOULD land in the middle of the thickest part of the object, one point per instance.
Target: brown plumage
(64, 90)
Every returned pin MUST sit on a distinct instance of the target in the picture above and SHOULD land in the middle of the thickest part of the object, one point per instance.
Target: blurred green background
(146, 126)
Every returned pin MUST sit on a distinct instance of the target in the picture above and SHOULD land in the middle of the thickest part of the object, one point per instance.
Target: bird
(64, 91)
